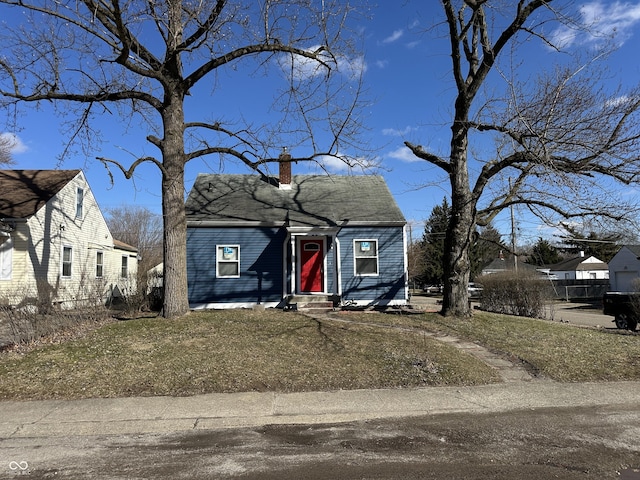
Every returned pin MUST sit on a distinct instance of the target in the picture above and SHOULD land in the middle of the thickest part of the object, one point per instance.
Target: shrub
(523, 294)
(31, 313)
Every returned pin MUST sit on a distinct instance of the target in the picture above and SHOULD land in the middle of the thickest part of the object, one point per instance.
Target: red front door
(311, 261)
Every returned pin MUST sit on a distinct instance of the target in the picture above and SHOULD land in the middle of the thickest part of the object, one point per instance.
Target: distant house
(55, 246)
(507, 263)
(260, 240)
(580, 268)
(624, 269)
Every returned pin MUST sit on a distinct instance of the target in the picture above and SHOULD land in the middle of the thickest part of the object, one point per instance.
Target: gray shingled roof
(635, 249)
(314, 200)
(577, 264)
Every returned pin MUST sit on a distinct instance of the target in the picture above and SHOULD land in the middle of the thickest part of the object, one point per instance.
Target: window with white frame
(6, 257)
(365, 257)
(228, 261)
(79, 202)
(99, 264)
(124, 270)
(67, 261)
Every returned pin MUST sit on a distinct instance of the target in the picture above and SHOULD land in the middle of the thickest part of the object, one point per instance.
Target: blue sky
(407, 77)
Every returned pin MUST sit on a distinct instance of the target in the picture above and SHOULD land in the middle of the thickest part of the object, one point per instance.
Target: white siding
(116, 284)
(584, 272)
(623, 269)
(39, 242)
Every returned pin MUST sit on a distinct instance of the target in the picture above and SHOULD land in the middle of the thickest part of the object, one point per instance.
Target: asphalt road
(568, 443)
(580, 314)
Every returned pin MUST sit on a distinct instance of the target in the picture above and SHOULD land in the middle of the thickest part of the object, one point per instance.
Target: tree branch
(252, 50)
(205, 26)
(113, 22)
(421, 153)
(128, 172)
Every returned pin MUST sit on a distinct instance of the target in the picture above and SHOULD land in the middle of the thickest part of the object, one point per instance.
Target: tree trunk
(460, 229)
(176, 301)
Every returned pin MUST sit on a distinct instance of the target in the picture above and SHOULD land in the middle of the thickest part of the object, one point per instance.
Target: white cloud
(403, 154)
(302, 68)
(396, 35)
(621, 101)
(336, 165)
(599, 20)
(382, 63)
(17, 146)
(352, 66)
(394, 132)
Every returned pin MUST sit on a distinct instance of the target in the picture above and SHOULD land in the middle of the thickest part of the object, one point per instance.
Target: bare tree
(141, 228)
(143, 59)
(6, 145)
(561, 140)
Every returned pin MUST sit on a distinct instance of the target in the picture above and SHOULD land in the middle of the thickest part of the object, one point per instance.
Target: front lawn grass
(244, 350)
(552, 350)
(555, 350)
(232, 351)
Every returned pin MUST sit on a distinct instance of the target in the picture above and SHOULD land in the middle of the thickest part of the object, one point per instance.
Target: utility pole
(513, 236)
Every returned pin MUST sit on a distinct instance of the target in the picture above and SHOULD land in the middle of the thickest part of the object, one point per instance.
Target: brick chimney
(285, 170)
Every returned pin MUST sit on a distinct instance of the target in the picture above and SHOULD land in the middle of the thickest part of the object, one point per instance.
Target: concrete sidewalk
(57, 418)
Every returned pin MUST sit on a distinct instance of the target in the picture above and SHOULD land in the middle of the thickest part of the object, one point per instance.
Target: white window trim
(356, 257)
(99, 264)
(62, 262)
(126, 258)
(80, 203)
(6, 259)
(218, 260)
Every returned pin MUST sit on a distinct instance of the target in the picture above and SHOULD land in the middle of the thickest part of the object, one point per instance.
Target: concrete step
(316, 306)
(303, 299)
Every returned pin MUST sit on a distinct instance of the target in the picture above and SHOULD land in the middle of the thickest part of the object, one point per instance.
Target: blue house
(257, 240)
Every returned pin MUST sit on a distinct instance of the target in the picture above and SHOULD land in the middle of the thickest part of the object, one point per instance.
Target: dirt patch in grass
(231, 351)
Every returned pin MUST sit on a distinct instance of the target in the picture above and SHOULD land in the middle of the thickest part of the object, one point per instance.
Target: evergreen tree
(543, 253)
(486, 249)
(433, 244)
(601, 245)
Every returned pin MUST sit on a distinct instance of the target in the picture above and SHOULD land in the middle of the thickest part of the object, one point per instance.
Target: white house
(55, 246)
(624, 268)
(580, 268)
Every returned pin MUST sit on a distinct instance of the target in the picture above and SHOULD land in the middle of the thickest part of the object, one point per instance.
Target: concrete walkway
(117, 416)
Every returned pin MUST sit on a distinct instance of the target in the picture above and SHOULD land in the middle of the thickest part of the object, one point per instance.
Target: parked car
(433, 289)
(474, 289)
(625, 308)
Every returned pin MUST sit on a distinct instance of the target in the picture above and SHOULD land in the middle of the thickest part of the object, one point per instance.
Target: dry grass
(242, 350)
(230, 351)
(558, 351)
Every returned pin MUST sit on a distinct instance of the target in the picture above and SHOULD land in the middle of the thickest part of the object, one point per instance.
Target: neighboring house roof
(313, 200)
(123, 246)
(578, 264)
(502, 264)
(635, 249)
(24, 192)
